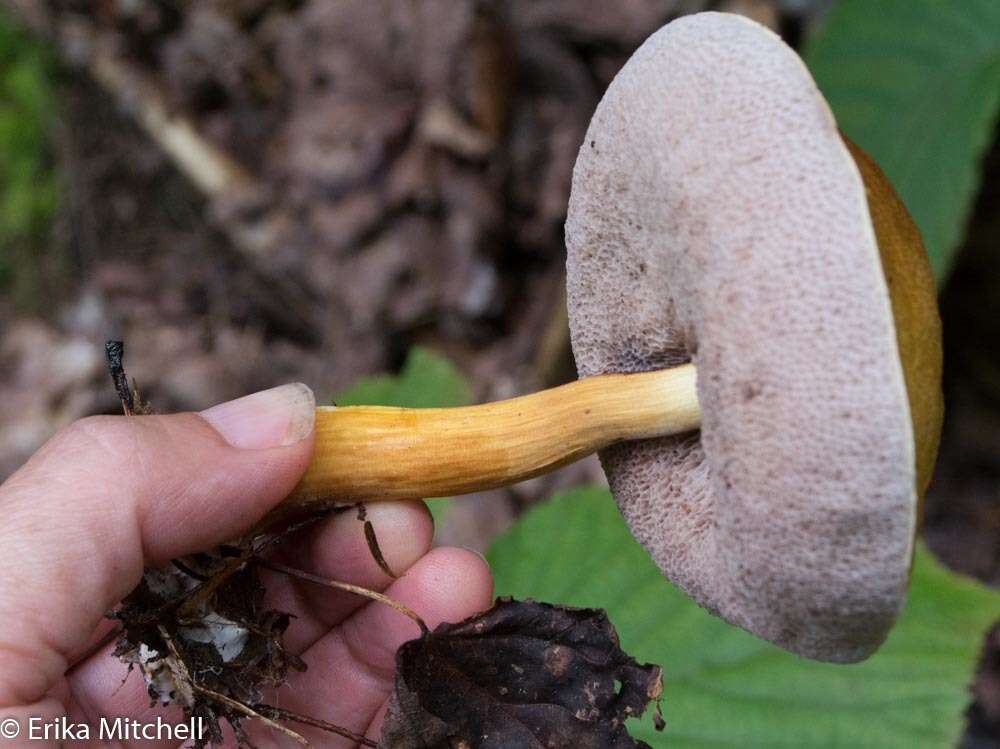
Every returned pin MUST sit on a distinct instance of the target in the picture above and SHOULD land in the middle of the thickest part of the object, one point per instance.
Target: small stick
(249, 551)
(115, 353)
(250, 713)
(372, 540)
(211, 170)
(283, 714)
(206, 589)
(356, 589)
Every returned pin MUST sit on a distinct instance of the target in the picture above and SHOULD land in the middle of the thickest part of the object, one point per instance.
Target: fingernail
(277, 417)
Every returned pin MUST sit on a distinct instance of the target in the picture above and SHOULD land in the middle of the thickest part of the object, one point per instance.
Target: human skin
(108, 496)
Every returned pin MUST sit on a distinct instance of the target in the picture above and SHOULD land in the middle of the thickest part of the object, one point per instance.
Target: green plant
(28, 183)
(917, 84)
(427, 380)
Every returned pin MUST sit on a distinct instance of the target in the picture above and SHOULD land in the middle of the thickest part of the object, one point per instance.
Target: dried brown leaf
(522, 675)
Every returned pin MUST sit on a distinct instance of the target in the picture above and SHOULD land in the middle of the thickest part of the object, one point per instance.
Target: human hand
(109, 496)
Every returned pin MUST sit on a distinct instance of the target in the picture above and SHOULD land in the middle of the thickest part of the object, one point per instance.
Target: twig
(115, 352)
(356, 589)
(373, 546)
(211, 170)
(205, 590)
(251, 713)
(253, 547)
(283, 714)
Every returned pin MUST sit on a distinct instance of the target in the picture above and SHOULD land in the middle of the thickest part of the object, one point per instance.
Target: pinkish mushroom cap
(716, 216)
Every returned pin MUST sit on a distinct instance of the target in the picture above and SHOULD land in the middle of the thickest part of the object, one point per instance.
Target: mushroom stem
(375, 453)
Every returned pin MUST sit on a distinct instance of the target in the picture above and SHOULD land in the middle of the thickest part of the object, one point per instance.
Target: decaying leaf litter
(522, 674)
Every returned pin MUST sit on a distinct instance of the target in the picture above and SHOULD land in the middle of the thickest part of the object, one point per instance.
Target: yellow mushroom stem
(374, 453)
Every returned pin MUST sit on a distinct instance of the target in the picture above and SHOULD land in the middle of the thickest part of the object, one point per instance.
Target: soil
(409, 180)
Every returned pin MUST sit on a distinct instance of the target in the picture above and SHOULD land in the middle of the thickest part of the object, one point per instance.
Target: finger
(374, 731)
(351, 669)
(338, 550)
(110, 494)
(105, 632)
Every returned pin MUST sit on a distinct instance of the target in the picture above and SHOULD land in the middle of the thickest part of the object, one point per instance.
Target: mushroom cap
(908, 274)
(717, 216)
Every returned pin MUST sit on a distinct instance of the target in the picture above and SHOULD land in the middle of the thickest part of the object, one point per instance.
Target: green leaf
(427, 380)
(725, 688)
(28, 186)
(916, 83)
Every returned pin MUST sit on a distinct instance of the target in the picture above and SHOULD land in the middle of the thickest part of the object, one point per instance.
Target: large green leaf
(917, 84)
(725, 688)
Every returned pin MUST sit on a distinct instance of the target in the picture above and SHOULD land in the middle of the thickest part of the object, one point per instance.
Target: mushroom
(734, 264)
(742, 234)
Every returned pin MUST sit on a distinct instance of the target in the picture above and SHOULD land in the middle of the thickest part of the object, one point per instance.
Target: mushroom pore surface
(717, 216)
(918, 327)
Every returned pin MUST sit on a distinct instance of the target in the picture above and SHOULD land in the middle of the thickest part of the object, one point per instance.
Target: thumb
(111, 494)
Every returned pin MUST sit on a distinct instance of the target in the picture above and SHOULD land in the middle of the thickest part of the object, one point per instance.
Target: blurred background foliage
(28, 182)
(426, 380)
(915, 82)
